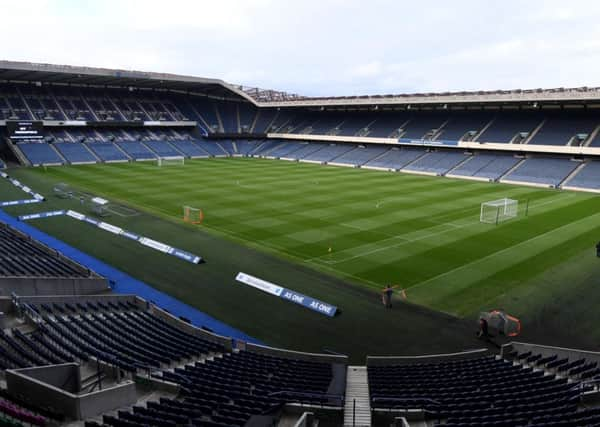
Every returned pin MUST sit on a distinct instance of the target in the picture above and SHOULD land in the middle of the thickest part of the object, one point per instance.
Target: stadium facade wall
(53, 286)
(432, 358)
(58, 386)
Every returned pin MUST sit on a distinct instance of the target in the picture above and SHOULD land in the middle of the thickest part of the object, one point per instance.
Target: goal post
(192, 215)
(496, 211)
(170, 161)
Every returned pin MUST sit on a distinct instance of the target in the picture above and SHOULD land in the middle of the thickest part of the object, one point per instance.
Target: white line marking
(460, 267)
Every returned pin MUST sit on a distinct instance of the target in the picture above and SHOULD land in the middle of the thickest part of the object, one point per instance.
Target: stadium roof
(75, 75)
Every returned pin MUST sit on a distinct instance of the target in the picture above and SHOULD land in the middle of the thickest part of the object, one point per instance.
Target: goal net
(498, 210)
(171, 161)
(192, 215)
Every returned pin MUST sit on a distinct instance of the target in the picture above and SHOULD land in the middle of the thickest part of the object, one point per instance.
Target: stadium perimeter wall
(433, 358)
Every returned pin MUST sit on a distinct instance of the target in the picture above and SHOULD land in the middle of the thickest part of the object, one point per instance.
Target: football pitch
(372, 228)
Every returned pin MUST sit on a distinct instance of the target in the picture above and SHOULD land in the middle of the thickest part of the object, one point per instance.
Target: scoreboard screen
(20, 130)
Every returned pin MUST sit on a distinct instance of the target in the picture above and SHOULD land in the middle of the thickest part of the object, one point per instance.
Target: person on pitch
(386, 296)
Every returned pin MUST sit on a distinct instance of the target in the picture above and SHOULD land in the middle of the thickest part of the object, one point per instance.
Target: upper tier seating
(22, 257)
(136, 150)
(420, 125)
(396, 158)
(438, 162)
(39, 153)
(459, 126)
(229, 116)
(587, 177)
(540, 170)
(506, 126)
(75, 152)
(247, 114)
(107, 151)
(486, 165)
(265, 117)
(385, 124)
(560, 130)
(361, 155)
(356, 122)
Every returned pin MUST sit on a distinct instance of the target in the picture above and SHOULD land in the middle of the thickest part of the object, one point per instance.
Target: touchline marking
(460, 267)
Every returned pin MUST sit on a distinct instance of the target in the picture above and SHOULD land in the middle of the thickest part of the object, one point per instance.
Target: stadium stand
(541, 170)
(228, 113)
(360, 155)
(108, 152)
(120, 333)
(21, 256)
(463, 126)
(507, 127)
(247, 116)
(329, 153)
(189, 148)
(395, 158)
(486, 166)
(565, 129)
(75, 152)
(162, 148)
(437, 162)
(136, 150)
(40, 153)
(305, 151)
(212, 148)
(586, 178)
(423, 126)
(264, 119)
(482, 390)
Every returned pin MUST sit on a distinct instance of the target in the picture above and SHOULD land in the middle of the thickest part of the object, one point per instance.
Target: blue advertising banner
(287, 294)
(26, 189)
(161, 247)
(441, 142)
(40, 215)
(19, 202)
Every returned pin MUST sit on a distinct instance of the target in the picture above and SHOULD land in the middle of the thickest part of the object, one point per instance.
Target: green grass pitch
(359, 230)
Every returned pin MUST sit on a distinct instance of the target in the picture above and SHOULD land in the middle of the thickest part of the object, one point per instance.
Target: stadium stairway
(357, 390)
